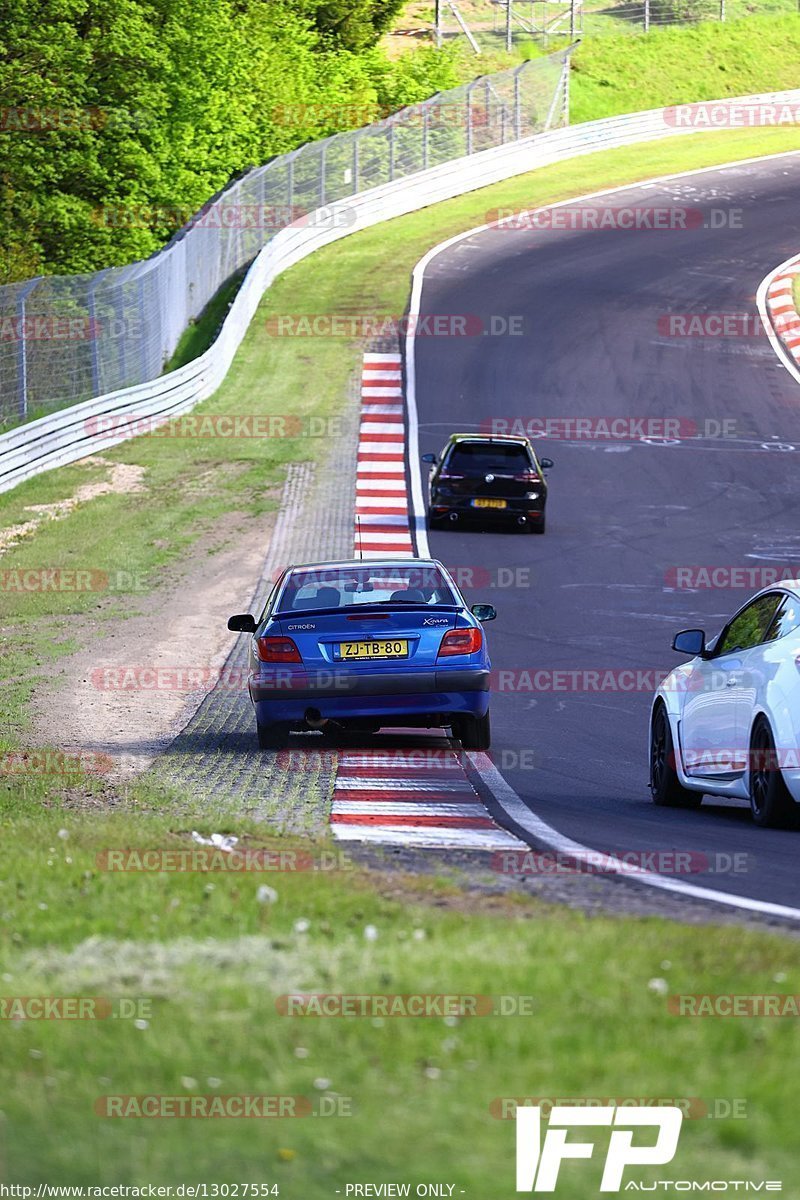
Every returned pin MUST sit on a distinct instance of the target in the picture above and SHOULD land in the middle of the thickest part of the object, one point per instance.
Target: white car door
(721, 692)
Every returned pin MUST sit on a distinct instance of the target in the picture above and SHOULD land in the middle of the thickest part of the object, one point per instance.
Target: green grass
(614, 72)
(617, 74)
(205, 963)
(212, 959)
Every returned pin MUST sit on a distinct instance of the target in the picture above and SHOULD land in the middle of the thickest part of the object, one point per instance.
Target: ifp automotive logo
(539, 1160)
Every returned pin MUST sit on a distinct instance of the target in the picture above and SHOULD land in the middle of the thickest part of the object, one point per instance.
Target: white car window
(750, 626)
(786, 619)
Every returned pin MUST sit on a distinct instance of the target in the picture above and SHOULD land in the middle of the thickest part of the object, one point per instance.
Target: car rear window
(488, 456)
(348, 587)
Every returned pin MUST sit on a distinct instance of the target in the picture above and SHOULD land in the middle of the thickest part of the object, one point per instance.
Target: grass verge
(195, 965)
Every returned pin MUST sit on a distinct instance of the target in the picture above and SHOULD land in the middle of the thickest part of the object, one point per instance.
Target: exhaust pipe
(522, 520)
(453, 516)
(314, 718)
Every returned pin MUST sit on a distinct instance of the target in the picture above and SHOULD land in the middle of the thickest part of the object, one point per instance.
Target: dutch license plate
(352, 651)
(487, 503)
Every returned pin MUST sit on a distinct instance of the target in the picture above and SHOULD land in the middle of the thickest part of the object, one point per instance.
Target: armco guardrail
(74, 433)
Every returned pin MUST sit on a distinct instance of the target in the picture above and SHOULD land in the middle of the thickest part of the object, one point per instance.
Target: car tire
(435, 522)
(770, 802)
(665, 786)
(537, 526)
(272, 737)
(474, 733)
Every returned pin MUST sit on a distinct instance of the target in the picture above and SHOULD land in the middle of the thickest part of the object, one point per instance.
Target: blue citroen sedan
(360, 645)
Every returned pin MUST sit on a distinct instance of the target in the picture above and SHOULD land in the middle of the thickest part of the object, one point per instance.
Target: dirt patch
(123, 479)
(137, 681)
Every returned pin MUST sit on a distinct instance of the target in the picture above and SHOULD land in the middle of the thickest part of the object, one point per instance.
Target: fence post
(290, 184)
(517, 106)
(142, 342)
(647, 16)
(119, 315)
(722, 10)
(509, 18)
(391, 150)
(323, 154)
(469, 119)
(22, 348)
(96, 279)
(425, 128)
(355, 163)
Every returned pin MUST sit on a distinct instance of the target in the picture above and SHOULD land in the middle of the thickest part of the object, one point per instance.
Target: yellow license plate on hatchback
(487, 503)
(355, 651)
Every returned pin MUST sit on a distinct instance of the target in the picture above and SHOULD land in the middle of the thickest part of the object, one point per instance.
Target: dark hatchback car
(496, 477)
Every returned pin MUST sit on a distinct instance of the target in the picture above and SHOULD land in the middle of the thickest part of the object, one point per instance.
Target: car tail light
(461, 641)
(446, 475)
(528, 477)
(277, 650)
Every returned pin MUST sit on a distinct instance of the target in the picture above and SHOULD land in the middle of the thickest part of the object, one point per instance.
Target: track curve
(623, 515)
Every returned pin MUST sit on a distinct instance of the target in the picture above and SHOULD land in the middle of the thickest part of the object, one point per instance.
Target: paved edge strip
(511, 809)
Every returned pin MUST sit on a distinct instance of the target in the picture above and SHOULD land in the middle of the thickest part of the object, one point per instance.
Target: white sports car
(726, 723)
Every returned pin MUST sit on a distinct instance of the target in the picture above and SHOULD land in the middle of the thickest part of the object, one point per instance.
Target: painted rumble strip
(381, 499)
(414, 797)
(780, 305)
(419, 795)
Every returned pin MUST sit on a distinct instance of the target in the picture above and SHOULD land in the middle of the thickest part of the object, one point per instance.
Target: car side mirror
(242, 623)
(484, 612)
(431, 458)
(690, 641)
(545, 463)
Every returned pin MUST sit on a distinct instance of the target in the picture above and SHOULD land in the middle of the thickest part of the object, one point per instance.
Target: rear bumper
(388, 694)
(516, 506)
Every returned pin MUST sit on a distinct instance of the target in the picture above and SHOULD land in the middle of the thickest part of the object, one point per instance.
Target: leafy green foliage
(120, 118)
